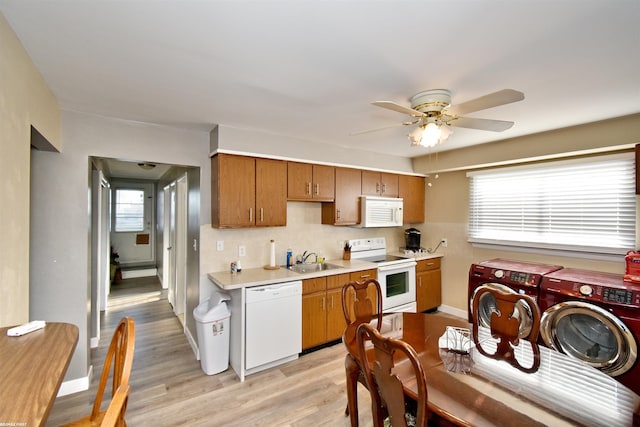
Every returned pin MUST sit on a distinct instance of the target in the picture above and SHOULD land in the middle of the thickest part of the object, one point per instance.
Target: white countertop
(261, 276)
(417, 256)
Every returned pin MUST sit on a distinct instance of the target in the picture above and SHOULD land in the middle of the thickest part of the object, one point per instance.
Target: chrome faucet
(306, 255)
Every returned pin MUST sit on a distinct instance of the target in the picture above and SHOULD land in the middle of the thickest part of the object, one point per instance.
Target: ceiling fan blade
(505, 96)
(399, 108)
(360, 132)
(481, 124)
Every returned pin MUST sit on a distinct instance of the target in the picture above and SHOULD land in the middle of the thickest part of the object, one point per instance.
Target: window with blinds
(586, 205)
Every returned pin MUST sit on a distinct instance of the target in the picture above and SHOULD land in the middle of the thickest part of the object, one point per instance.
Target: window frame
(145, 214)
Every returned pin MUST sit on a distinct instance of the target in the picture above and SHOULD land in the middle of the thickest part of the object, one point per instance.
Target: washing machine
(510, 276)
(595, 317)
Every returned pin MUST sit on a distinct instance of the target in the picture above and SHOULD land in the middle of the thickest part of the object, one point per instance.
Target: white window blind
(584, 205)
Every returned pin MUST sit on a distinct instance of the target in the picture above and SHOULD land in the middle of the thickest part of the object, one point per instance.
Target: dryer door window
(589, 333)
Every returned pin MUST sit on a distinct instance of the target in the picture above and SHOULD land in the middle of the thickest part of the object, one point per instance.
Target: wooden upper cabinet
(233, 194)
(307, 181)
(345, 210)
(379, 184)
(411, 189)
(248, 192)
(271, 193)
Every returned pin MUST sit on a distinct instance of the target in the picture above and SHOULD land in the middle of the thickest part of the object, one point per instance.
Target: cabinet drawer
(337, 281)
(359, 276)
(428, 264)
(318, 284)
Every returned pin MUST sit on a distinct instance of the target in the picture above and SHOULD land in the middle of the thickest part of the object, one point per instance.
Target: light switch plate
(242, 250)
(220, 245)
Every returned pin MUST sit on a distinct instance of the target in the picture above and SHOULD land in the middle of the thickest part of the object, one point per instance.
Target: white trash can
(212, 327)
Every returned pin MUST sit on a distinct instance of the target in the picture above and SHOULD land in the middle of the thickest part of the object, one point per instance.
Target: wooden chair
(115, 412)
(358, 308)
(505, 322)
(387, 394)
(120, 357)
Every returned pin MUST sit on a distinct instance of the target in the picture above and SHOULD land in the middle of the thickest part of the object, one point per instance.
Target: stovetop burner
(382, 258)
(375, 250)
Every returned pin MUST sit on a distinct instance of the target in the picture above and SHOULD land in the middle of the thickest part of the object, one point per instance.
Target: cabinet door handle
(384, 188)
(364, 276)
(317, 189)
(324, 304)
(337, 213)
(308, 188)
(261, 214)
(250, 214)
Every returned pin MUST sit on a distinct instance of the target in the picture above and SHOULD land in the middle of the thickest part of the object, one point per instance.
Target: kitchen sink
(311, 268)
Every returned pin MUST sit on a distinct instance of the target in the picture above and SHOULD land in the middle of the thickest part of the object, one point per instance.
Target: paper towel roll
(272, 253)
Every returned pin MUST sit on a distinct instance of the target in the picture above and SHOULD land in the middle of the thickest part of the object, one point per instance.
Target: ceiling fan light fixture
(430, 135)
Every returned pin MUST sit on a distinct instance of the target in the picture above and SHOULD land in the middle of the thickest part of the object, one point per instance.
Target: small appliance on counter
(412, 239)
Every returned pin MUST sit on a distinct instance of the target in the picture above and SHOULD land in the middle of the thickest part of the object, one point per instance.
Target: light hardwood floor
(169, 388)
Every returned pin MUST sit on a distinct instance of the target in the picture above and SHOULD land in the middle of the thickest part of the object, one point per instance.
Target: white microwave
(380, 212)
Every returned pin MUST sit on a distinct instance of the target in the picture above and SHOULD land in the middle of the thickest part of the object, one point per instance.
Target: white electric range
(396, 275)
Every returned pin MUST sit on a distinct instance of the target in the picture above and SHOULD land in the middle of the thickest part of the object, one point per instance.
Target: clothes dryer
(594, 317)
(515, 276)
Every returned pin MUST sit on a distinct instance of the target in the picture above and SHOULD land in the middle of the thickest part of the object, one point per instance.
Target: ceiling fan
(432, 112)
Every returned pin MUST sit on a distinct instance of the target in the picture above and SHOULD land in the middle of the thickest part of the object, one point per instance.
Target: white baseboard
(453, 311)
(143, 272)
(164, 285)
(77, 385)
(192, 343)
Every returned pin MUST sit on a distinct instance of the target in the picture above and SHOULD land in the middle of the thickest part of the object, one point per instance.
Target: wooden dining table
(471, 389)
(32, 367)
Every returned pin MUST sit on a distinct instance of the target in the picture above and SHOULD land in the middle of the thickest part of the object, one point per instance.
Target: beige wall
(25, 101)
(447, 200)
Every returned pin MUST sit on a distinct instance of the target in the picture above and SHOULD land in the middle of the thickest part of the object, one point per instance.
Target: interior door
(170, 230)
(180, 244)
(166, 238)
(104, 243)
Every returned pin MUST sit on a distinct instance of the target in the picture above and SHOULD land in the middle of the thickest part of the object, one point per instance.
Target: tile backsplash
(303, 232)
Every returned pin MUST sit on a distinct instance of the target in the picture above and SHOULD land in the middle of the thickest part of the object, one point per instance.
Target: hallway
(170, 389)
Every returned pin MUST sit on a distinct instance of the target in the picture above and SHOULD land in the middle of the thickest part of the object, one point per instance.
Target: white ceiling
(310, 68)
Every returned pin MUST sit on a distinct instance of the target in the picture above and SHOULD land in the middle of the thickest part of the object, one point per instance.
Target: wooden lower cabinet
(322, 316)
(428, 284)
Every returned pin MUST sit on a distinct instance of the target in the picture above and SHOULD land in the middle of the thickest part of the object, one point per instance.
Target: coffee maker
(412, 239)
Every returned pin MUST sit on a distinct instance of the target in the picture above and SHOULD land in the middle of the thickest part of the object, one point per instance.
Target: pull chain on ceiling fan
(432, 112)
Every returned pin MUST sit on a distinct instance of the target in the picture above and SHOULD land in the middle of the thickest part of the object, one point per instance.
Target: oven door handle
(397, 267)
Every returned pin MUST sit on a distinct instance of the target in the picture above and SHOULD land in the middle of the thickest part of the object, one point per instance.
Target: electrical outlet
(242, 250)
(220, 245)
(444, 242)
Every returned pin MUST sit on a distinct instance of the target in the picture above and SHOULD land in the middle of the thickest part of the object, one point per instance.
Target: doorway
(174, 264)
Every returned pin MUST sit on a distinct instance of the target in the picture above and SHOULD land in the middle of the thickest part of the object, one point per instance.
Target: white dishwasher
(273, 324)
